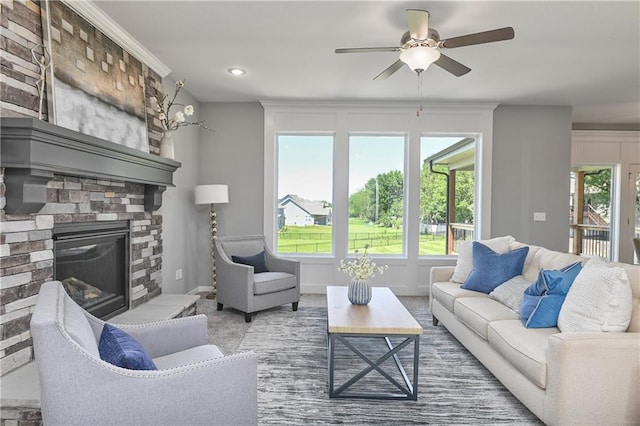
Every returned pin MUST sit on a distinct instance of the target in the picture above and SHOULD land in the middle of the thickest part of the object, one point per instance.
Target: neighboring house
(296, 211)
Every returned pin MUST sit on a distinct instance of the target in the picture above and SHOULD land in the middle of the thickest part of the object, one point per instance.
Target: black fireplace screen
(92, 262)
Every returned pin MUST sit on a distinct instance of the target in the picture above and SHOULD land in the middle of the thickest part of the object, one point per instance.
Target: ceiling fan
(421, 46)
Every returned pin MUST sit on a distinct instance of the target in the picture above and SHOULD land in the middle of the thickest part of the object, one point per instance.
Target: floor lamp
(212, 194)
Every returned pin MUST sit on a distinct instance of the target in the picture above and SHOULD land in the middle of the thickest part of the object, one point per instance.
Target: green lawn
(317, 239)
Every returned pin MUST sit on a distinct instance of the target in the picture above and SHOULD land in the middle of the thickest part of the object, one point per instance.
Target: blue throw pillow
(543, 298)
(258, 261)
(490, 269)
(121, 349)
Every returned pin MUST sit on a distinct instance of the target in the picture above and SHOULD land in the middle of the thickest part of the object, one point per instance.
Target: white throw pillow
(510, 293)
(464, 266)
(599, 300)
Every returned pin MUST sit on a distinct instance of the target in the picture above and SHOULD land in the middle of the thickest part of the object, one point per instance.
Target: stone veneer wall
(26, 244)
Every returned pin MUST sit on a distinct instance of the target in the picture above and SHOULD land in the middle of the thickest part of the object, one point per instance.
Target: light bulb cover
(211, 194)
(419, 57)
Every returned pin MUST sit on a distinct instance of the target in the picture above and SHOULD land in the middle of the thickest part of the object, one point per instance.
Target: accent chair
(242, 287)
(195, 384)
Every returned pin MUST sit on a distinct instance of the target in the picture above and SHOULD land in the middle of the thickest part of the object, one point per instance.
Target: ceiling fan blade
(451, 65)
(389, 71)
(418, 23)
(367, 49)
(500, 34)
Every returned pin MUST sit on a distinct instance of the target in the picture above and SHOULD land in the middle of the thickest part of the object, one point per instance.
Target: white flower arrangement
(163, 106)
(362, 267)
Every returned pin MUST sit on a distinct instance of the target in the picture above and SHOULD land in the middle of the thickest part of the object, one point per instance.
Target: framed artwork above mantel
(94, 86)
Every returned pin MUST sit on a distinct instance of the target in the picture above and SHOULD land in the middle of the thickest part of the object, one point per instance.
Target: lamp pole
(213, 224)
(212, 194)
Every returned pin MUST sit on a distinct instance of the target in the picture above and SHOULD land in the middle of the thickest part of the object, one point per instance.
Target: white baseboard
(321, 289)
(201, 289)
(313, 288)
(398, 290)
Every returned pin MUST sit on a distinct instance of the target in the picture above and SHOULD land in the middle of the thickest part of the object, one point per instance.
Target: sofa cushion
(524, 348)
(119, 348)
(544, 297)
(543, 258)
(447, 292)
(270, 282)
(490, 269)
(510, 292)
(599, 300)
(464, 265)
(477, 312)
(188, 356)
(258, 261)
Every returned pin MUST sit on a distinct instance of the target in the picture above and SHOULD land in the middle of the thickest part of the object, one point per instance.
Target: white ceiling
(580, 53)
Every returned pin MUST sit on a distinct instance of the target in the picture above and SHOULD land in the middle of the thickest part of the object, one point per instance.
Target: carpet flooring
(453, 387)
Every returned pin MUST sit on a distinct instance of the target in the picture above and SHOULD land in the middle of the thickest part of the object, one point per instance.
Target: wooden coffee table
(383, 317)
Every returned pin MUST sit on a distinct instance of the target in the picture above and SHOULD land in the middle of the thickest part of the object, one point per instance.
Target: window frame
(405, 192)
(276, 190)
(408, 274)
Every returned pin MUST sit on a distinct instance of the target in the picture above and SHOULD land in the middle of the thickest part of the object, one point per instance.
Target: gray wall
(530, 173)
(179, 225)
(232, 155)
(531, 164)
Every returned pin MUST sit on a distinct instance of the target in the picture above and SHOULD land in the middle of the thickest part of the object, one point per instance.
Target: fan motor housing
(432, 39)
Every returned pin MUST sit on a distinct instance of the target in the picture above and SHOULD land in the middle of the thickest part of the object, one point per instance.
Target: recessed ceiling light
(236, 71)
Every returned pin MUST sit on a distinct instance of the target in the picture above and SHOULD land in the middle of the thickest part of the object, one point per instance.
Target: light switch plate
(539, 216)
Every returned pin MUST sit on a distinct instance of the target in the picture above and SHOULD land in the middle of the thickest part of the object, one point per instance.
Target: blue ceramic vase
(359, 291)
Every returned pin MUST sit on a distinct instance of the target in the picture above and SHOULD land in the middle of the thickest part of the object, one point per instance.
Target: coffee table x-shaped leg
(408, 389)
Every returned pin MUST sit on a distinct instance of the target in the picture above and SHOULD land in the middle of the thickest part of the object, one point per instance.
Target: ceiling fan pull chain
(419, 111)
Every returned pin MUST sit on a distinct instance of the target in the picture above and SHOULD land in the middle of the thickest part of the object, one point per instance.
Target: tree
(433, 195)
(359, 204)
(381, 200)
(465, 187)
(597, 190)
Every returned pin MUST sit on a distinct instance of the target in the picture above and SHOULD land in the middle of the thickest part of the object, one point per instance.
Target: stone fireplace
(46, 186)
(51, 194)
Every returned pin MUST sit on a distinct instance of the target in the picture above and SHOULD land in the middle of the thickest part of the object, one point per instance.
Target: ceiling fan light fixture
(419, 58)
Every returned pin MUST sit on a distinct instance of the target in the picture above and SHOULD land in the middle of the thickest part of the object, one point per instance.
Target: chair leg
(294, 306)
(247, 317)
(219, 307)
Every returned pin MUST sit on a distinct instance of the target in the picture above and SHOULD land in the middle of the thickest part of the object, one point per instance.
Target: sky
(305, 162)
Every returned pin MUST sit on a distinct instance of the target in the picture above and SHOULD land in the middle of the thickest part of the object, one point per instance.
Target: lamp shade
(420, 57)
(212, 194)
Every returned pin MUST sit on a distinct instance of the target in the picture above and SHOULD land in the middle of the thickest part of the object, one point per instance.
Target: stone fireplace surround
(26, 256)
(26, 237)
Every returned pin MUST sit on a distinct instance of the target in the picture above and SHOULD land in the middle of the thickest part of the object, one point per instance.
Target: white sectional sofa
(563, 378)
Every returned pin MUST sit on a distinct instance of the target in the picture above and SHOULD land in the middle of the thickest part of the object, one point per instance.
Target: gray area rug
(453, 387)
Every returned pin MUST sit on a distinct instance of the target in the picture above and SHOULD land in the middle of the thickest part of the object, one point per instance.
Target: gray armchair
(240, 288)
(195, 383)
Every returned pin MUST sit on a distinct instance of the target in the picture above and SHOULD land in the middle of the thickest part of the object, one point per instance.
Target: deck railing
(590, 240)
(458, 234)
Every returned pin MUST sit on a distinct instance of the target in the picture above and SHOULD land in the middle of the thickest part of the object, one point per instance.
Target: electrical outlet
(178, 274)
(539, 216)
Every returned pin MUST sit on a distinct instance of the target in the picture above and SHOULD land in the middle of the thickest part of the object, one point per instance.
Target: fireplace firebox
(92, 262)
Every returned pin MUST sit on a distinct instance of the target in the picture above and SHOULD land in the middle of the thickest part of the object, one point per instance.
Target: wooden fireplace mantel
(32, 150)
